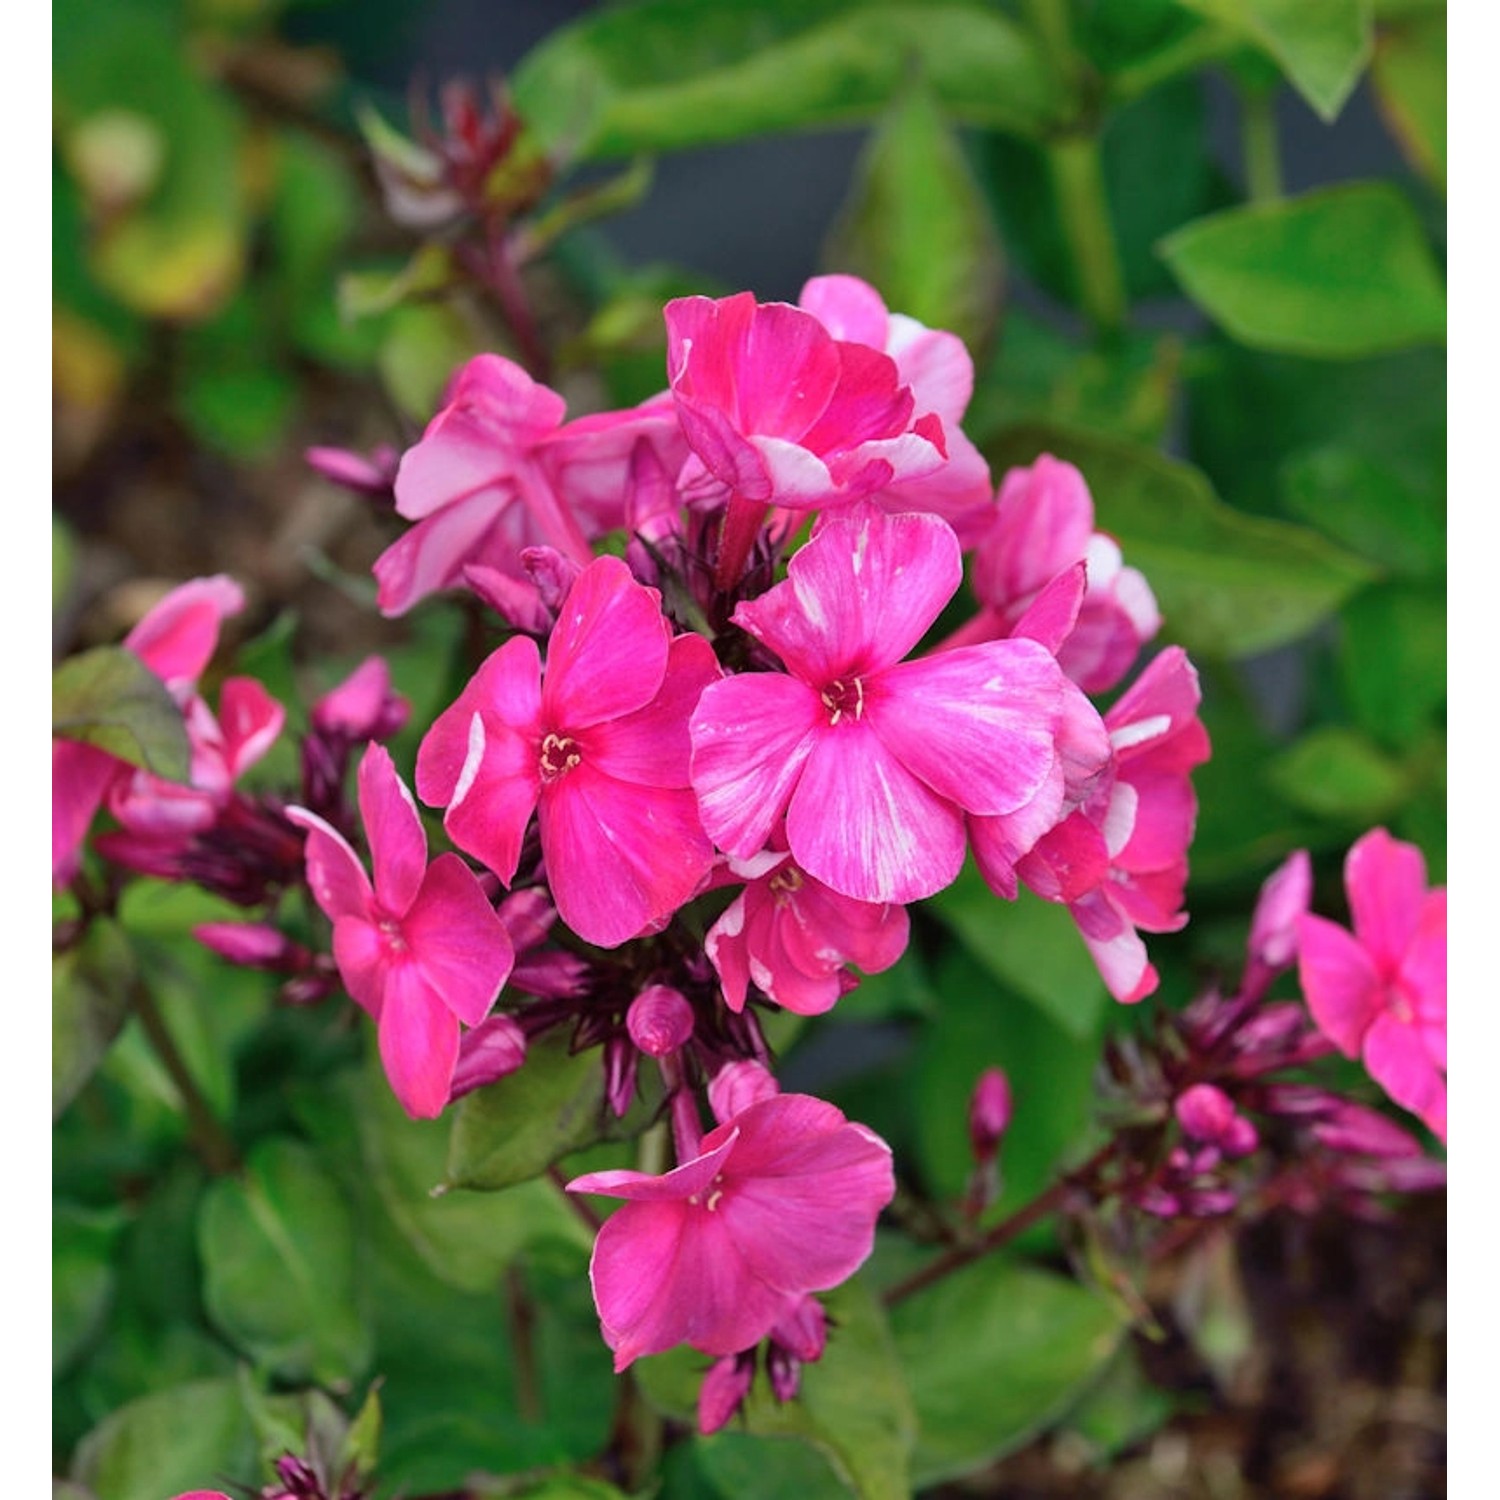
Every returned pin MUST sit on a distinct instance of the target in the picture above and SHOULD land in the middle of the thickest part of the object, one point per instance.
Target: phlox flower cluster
(718, 748)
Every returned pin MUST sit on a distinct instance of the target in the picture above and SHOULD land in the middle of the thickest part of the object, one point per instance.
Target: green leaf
(83, 1277)
(1393, 656)
(278, 1261)
(916, 226)
(1030, 945)
(1335, 772)
(1121, 1409)
(1410, 75)
(740, 1466)
(1322, 47)
(667, 74)
(1368, 507)
(110, 698)
(467, 1239)
(853, 1406)
(1228, 584)
(1339, 273)
(183, 1438)
(90, 1004)
(516, 1128)
(995, 1353)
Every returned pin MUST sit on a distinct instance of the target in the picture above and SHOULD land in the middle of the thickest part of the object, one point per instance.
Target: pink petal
(81, 775)
(433, 554)
(1044, 518)
(398, 846)
(859, 595)
(1387, 881)
(677, 1186)
(1000, 842)
(250, 719)
(608, 652)
(977, 724)
(496, 793)
(418, 1042)
(1165, 813)
(457, 941)
(1068, 862)
(869, 402)
(1158, 715)
(361, 951)
(725, 945)
(848, 308)
(1398, 1061)
(334, 874)
(178, 636)
(1116, 948)
(860, 822)
(619, 855)
(1051, 616)
(750, 736)
(1339, 982)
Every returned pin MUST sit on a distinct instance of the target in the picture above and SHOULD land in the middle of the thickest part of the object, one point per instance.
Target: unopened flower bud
(724, 1387)
(803, 1330)
(1363, 1132)
(516, 600)
(1240, 1139)
(374, 476)
(989, 1114)
(1205, 1112)
(486, 1052)
(659, 1020)
(785, 1371)
(1283, 899)
(620, 1058)
(738, 1085)
(362, 706)
(255, 945)
(551, 572)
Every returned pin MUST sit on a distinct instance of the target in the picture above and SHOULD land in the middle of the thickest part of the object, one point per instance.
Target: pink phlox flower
(1381, 992)
(1041, 525)
(1120, 861)
(176, 639)
(873, 761)
(420, 949)
(940, 372)
(364, 706)
(498, 470)
(597, 744)
(781, 1201)
(794, 938)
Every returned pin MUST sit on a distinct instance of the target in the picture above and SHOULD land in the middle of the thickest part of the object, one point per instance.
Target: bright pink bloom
(1120, 861)
(421, 949)
(597, 744)
(781, 1201)
(940, 372)
(497, 471)
(794, 938)
(872, 760)
(176, 639)
(1043, 524)
(1381, 992)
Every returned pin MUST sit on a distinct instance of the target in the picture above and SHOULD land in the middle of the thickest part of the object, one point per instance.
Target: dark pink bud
(1210, 1203)
(1299, 1101)
(1283, 899)
(1240, 1139)
(255, 945)
(551, 572)
(1205, 1113)
(486, 1052)
(374, 476)
(553, 976)
(724, 1387)
(515, 600)
(785, 1372)
(1159, 1203)
(619, 1074)
(803, 1331)
(989, 1114)
(1404, 1174)
(1364, 1132)
(308, 989)
(659, 1021)
(362, 706)
(528, 917)
(1265, 1036)
(738, 1085)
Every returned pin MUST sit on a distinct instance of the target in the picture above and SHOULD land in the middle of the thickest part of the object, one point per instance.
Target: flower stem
(1078, 182)
(210, 1139)
(1262, 149)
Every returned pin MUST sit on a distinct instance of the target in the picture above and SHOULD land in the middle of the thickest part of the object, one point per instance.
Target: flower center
(559, 756)
(714, 1196)
(785, 883)
(390, 931)
(843, 699)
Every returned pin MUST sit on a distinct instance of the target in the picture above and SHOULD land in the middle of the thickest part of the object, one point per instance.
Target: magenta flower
(1381, 992)
(778, 412)
(781, 1201)
(794, 938)
(597, 744)
(1043, 524)
(872, 760)
(1120, 861)
(176, 639)
(497, 471)
(421, 949)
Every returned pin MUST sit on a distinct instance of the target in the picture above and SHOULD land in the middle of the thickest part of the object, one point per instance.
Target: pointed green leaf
(1336, 772)
(994, 1354)
(1321, 45)
(110, 698)
(90, 1004)
(1228, 584)
(1340, 273)
(916, 226)
(1393, 658)
(278, 1266)
(515, 1129)
(1410, 75)
(667, 74)
(83, 1276)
